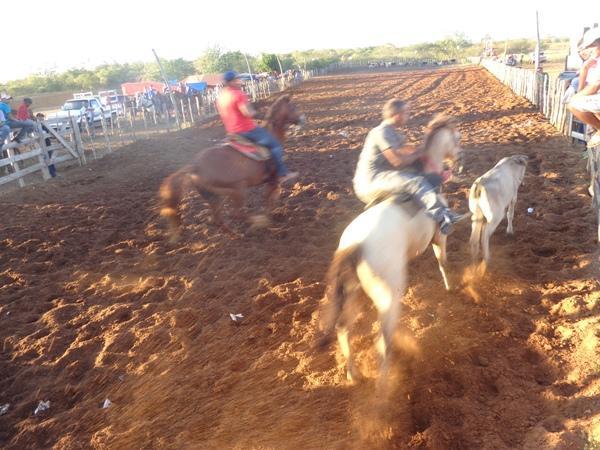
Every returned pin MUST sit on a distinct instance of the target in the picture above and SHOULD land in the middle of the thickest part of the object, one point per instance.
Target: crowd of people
(22, 119)
(21, 123)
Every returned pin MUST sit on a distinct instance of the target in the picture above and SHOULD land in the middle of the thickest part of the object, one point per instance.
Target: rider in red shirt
(237, 113)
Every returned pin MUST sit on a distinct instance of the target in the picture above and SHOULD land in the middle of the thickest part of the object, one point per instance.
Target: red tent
(141, 86)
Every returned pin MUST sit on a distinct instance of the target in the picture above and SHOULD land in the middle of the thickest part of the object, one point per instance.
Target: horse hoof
(259, 221)
(355, 378)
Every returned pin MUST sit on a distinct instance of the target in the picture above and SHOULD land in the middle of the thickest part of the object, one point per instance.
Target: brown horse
(222, 171)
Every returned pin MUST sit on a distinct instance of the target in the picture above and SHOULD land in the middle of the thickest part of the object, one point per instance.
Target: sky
(61, 34)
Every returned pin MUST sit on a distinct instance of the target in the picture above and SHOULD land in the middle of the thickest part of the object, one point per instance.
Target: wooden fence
(544, 92)
(34, 154)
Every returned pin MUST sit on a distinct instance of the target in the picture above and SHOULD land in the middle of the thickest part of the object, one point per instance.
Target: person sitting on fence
(387, 165)
(25, 126)
(40, 118)
(4, 129)
(573, 88)
(585, 105)
(24, 112)
(237, 116)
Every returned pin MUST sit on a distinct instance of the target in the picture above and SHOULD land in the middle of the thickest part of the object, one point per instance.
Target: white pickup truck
(82, 107)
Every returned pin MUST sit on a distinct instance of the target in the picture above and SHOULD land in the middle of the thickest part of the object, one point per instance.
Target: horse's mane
(438, 122)
(272, 111)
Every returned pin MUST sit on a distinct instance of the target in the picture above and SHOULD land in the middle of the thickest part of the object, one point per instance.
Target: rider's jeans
(26, 126)
(421, 188)
(4, 132)
(262, 137)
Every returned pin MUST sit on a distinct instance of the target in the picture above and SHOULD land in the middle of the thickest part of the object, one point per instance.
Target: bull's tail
(478, 219)
(171, 192)
(341, 278)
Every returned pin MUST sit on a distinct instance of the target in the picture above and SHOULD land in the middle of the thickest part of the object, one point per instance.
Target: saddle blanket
(248, 148)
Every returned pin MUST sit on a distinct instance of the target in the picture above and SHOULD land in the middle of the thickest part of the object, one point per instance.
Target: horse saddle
(247, 148)
(403, 200)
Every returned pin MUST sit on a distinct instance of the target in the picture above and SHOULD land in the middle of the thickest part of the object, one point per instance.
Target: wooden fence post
(189, 102)
(15, 165)
(44, 157)
(78, 141)
(182, 111)
(105, 132)
(132, 121)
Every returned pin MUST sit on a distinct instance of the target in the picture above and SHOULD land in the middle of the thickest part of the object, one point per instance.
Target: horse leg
(171, 193)
(238, 197)
(388, 319)
(386, 288)
(439, 248)
(343, 326)
(272, 194)
(215, 202)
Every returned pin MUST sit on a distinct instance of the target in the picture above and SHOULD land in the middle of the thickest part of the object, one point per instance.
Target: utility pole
(164, 77)
(280, 72)
(537, 42)
(251, 78)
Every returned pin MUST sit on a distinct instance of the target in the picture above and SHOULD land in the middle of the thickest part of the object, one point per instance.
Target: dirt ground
(96, 304)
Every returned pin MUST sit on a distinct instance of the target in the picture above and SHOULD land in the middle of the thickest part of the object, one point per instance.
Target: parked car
(542, 57)
(81, 108)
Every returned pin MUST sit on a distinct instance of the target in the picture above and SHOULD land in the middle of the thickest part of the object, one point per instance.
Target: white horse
(374, 253)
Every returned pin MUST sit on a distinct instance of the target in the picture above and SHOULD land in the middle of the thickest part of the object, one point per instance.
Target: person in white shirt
(585, 105)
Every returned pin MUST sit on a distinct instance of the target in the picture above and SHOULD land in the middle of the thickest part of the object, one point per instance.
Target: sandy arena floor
(95, 303)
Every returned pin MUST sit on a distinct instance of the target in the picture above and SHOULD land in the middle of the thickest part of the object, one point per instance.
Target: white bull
(490, 196)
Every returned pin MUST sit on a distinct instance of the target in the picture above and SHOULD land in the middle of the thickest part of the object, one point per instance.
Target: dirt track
(95, 304)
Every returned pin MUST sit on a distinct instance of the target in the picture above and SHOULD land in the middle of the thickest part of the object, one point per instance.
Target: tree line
(214, 59)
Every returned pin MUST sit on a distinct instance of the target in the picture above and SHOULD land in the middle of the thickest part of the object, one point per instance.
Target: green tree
(267, 63)
(209, 61)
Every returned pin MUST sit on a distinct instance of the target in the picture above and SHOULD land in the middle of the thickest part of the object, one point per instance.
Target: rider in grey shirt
(388, 166)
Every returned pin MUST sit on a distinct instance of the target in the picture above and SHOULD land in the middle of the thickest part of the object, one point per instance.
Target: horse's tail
(171, 193)
(341, 280)
(478, 219)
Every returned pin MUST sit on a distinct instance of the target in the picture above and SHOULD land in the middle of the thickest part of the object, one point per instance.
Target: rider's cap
(590, 36)
(230, 75)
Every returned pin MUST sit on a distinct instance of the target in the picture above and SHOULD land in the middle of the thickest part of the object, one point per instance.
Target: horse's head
(443, 141)
(282, 113)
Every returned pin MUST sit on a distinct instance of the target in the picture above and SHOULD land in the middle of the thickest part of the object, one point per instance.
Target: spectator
(585, 105)
(40, 117)
(26, 126)
(573, 88)
(24, 111)
(4, 128)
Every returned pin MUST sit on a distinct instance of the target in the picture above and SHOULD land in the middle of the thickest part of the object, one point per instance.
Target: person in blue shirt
(4, 129)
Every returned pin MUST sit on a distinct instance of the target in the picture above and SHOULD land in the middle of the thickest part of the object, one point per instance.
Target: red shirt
(23, 112)
(228, 105)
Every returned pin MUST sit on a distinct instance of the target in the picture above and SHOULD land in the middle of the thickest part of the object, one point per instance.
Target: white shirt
(593, 75)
